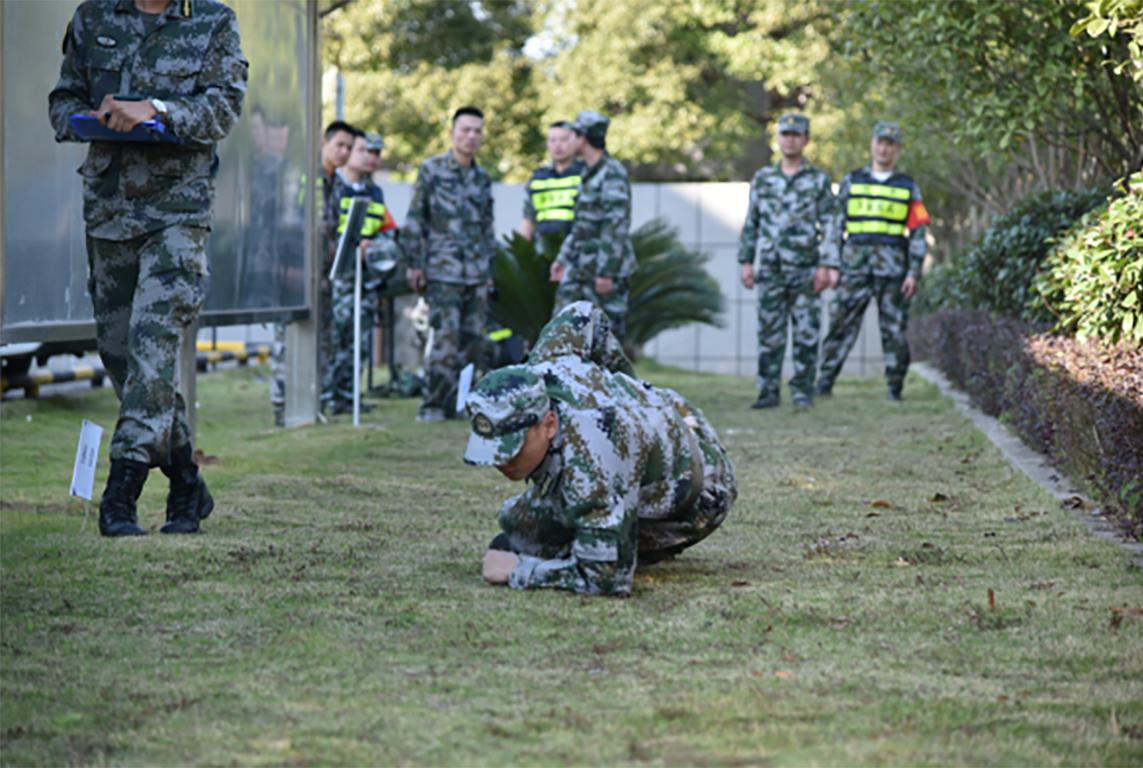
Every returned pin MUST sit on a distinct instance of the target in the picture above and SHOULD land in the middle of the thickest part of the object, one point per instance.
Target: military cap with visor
(887, 130)
(792, 122)
(502, 408)
(373, 142)
(592, 125)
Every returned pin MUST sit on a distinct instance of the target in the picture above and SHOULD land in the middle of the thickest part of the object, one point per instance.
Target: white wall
(709, 218)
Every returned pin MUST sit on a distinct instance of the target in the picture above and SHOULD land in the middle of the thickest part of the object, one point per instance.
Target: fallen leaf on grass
(937, 498)
(1118, 614)
(874, 514)
(1074, 502)
(1002, 697)
(739, 583)
(901, 562)
(880, 504)
(991, 600)
(782, 674)
(202, 459)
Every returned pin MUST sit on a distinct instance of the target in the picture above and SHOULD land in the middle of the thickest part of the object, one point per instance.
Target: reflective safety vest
(552, 197)
(876, 212)
(376, 218)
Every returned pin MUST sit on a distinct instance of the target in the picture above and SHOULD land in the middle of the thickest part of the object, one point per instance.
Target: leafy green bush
(670, 287)
(996, 274)
(1093, 281)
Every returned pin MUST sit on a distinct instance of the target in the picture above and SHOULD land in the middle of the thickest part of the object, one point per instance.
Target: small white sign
(86, 456)
(464, 386)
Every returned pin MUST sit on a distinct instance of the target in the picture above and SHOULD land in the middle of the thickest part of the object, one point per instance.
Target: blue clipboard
(88, 128)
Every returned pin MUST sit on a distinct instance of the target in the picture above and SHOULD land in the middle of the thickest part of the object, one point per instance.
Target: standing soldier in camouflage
(549, 200)
(618, 471)
(596, 260)
(337, 143)
(147, 208)
(790, 205)
(378, 244)
(877, 241)
(449, 242)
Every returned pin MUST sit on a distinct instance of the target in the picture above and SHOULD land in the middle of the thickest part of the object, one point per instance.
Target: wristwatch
(160, 107)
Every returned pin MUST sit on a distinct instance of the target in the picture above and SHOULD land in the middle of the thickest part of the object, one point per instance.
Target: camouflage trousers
(786, 296)
(340, 378)
(146, 292)
(614, 303)
(846, 312)
(278, 369)
(457, 316)
(537, 525)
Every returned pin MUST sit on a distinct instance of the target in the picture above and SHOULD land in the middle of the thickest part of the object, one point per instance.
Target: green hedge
(1092, 283)
(996, 274)
(1081, 403)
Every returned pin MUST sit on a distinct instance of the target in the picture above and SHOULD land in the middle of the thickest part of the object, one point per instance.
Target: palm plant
(670, 287)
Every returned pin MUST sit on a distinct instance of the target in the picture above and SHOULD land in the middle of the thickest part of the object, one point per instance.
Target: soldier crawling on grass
(618, 471)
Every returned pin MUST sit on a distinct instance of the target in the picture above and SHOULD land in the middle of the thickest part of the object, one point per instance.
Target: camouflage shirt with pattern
(787, 217)
(449, 232)
(190, 57)
(623, 453)
(599, 243)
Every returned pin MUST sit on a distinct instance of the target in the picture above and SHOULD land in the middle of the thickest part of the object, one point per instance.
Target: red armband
(918, 216)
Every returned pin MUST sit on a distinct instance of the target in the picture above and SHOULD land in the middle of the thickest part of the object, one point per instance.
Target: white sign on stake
(463, 386)
(86, 455)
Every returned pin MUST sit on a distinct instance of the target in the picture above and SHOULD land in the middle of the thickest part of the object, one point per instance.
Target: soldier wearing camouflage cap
(618, 472)
(379, 246)
(147, 207)
(596, 259)
(877, 246)
(779, 250)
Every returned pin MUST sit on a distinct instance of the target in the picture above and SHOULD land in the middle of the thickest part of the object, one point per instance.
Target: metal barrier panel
(258, 245)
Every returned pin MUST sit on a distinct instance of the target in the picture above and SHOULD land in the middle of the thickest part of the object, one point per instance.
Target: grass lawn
(887, 590)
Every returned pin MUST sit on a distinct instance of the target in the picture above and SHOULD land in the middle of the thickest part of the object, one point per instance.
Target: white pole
(357, 341)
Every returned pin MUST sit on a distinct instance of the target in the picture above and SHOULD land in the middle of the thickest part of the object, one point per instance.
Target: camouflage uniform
(785, 221)
(599, 244)
(873, 266)
(147, 206)
(449, 234)
(380, 230)
(634, 473)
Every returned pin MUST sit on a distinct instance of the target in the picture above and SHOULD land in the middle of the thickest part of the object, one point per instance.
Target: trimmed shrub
(1081, 403)
(1093, 281)
(997, 273)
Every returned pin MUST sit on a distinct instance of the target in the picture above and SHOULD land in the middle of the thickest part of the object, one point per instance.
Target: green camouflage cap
(887, 130)
(592, 125)
(792, 122)
(502, 407)
(373, 142)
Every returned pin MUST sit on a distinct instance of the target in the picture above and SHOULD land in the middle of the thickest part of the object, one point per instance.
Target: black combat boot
(188, 501)
(117, 515)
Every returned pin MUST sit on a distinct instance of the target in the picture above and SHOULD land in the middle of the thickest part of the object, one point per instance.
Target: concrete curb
(1031, 463)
